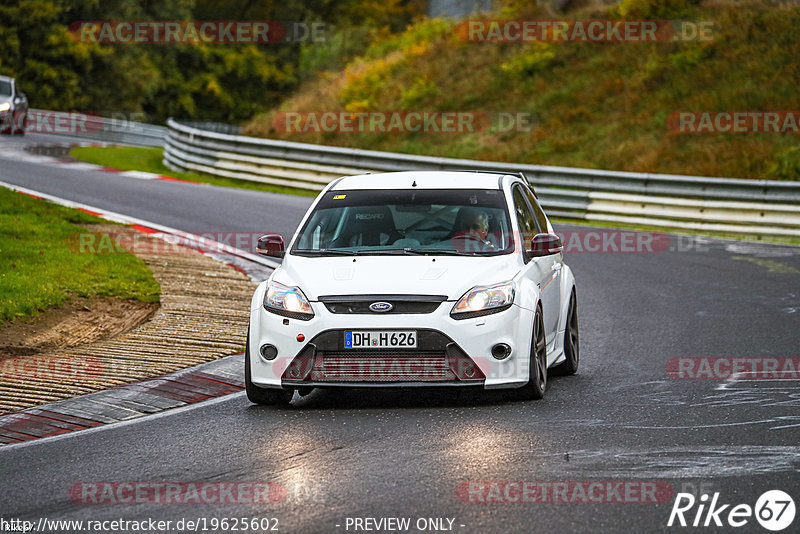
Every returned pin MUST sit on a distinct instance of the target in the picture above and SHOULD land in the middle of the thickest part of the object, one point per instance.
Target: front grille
(360, 368)
(437, 360)
(381, 368)
(398, 307)
(403, 304)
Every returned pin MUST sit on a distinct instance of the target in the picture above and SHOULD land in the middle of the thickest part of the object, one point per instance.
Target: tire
(16, 128)
(259, 395)
(571, 340)
(537, 380)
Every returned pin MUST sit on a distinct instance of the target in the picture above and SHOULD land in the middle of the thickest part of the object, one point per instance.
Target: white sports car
(406, 279)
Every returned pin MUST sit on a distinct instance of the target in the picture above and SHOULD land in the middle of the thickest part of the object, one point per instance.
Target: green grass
(40, 267)
(126, 158)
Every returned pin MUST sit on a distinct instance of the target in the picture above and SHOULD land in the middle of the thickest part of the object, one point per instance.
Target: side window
(541, 220)
(525, 218)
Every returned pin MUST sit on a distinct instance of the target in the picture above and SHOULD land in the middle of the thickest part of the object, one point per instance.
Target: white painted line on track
(76, 166)
(141, 175)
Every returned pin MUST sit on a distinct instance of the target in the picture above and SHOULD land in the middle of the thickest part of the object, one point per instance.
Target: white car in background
(409, 279)
(13, 107)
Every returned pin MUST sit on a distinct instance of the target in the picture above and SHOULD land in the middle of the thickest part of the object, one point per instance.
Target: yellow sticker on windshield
(338, 197)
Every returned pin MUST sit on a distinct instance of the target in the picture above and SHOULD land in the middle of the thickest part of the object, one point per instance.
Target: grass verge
(40, 268)
(599, 105)
(148, 159)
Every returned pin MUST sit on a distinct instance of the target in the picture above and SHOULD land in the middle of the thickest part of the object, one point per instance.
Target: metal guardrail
(736, 206)
(217, 127)
(95, 128)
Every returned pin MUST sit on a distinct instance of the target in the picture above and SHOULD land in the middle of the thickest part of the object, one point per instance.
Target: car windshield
(5, 88)
(413, 222)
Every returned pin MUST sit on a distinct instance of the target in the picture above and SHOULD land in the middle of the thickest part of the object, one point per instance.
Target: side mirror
(270, 245)
(545, 245)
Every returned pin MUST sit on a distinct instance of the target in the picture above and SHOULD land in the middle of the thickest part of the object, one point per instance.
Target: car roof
(423, 180)
(6, 78)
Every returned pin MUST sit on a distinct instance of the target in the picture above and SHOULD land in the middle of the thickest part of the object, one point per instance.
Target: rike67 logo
(774, 510)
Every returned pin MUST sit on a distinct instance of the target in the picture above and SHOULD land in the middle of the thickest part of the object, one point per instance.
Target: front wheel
(537, 381)
(259, 395)
(19, 125)
(571, 340)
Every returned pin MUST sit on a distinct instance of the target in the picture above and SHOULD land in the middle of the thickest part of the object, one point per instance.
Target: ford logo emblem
(381, 307)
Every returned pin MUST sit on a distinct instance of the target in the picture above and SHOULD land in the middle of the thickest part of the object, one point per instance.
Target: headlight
(5, 106)
(483, 300)
(287, 301)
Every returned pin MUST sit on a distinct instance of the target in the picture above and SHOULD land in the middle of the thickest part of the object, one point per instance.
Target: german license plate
(380, 339)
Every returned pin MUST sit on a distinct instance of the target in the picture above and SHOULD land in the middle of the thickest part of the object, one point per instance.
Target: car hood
(372, 275)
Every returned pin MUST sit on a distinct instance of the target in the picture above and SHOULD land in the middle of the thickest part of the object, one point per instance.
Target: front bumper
(449, 352)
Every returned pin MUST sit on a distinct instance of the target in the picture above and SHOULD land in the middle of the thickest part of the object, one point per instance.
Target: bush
(786, 165)
(538, 56)
(421, 89)
(655, 9)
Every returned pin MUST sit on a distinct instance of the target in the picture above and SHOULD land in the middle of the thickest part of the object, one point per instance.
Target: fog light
(501, 351)
(269, 352)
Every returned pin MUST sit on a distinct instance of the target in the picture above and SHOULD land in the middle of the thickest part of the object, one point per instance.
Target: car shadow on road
(326, 399)
(428, 397)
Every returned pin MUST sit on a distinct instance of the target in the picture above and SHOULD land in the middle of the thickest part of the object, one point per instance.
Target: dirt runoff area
(78, 322)
(93, 344)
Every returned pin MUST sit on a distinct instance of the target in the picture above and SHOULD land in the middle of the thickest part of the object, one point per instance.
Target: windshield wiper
(396, 252)
(408, 252)
(438, 252)
(385, 252)
(325, 252)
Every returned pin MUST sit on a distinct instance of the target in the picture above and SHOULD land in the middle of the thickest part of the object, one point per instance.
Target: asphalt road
(397, 454)
(191, 208)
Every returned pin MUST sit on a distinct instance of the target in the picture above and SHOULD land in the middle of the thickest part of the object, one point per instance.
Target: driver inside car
(476, 231)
